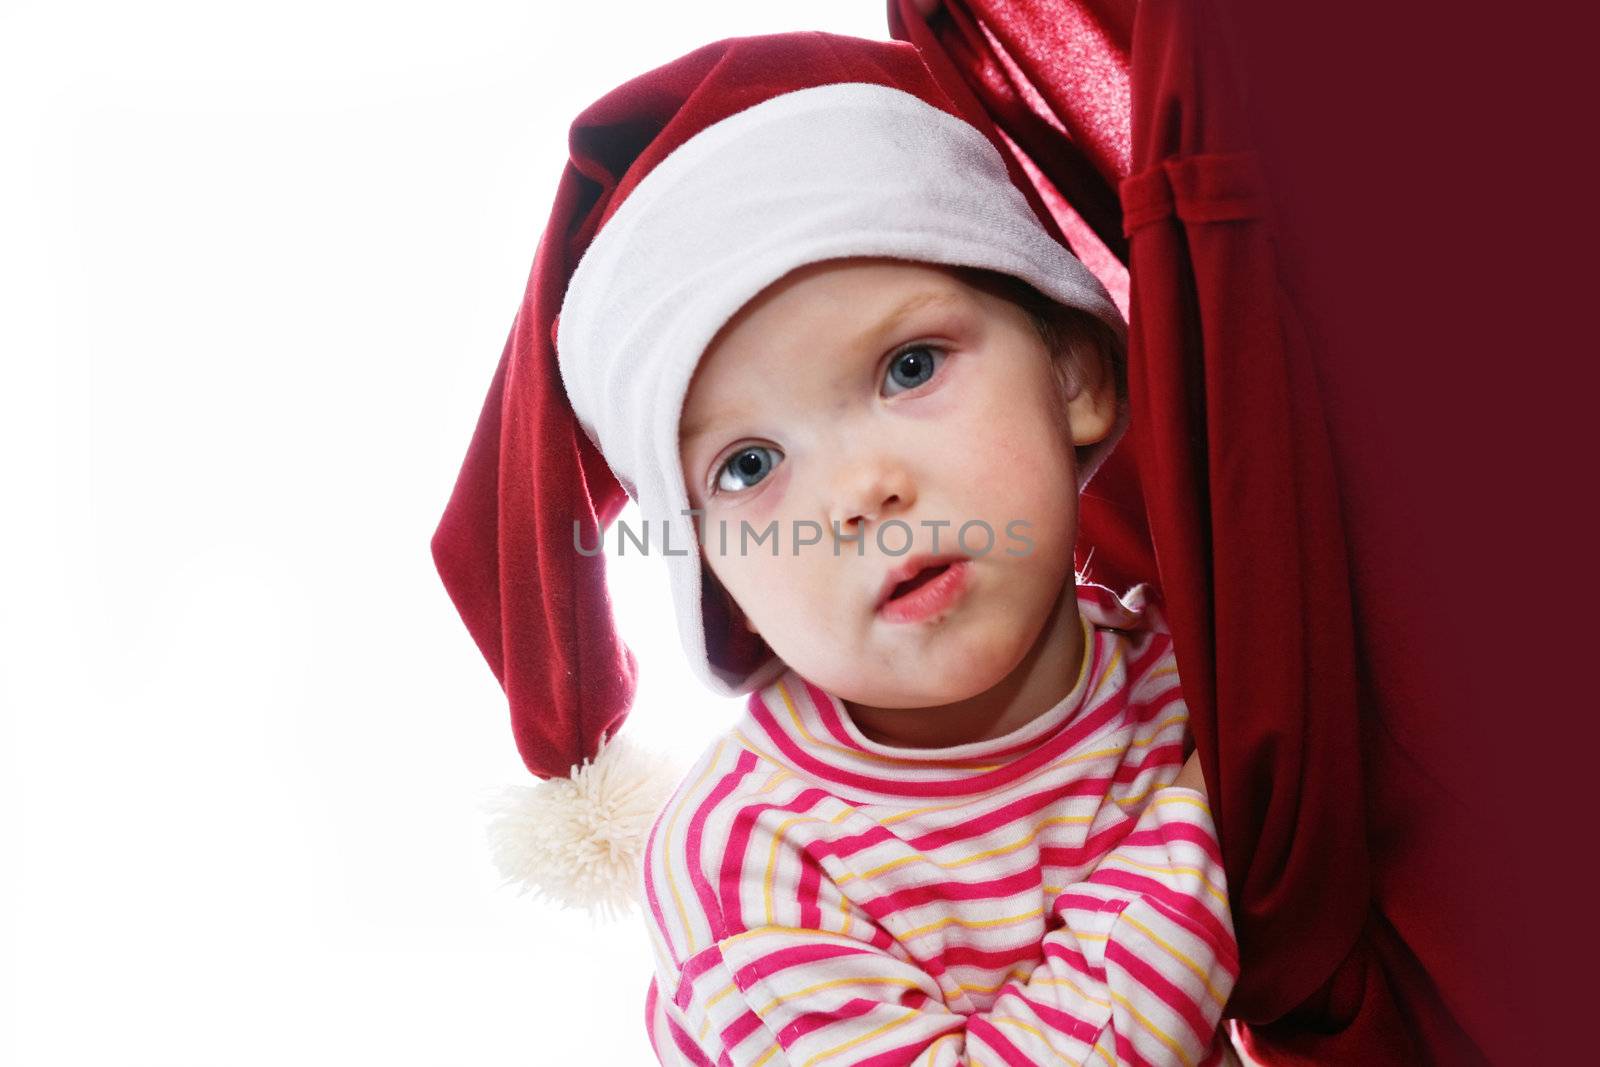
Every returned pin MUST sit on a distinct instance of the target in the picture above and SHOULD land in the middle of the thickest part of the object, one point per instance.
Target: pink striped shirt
(1044, 897)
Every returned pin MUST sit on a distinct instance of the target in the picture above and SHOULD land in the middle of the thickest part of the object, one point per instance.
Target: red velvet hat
(688, 191)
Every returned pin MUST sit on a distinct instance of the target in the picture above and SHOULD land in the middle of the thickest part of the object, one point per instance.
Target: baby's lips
(910, 567)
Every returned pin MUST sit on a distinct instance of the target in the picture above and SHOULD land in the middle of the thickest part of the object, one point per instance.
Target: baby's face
(856, 392)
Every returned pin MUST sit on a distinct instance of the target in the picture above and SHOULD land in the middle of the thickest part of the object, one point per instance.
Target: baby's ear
(1090, 389)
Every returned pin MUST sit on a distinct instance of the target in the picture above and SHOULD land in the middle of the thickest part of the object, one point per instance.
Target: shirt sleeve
(1138, 961)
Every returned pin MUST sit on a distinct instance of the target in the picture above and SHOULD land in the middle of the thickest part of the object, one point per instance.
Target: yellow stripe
(902, 816)
(1221, 897)
(906, 983)
(754, 749)
(765, 1056)
(868, 1036)
(1155, 1030)
(1105, 676)
(970, 924)
(773, 779)
(777, 839)
(1088, 649)
(1164, 800)
(1181, 717)
(1019, 1024)
(731, 987)
(1141, 742)
(891, 865)
(1070, 984)
(992, 988)
(666, 847)
(1191, 801)
(1134, 798)
(943, 1037)
(1103, 1053)
(911, 813)
(1058, 820)
(1177, 955)
(772, 861)
(765, 931)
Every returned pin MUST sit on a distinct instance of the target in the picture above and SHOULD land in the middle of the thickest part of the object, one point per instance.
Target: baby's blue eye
(912, 367)
(746, 467)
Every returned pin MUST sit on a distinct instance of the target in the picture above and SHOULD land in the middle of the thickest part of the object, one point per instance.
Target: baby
(811, 318)
(955, 830)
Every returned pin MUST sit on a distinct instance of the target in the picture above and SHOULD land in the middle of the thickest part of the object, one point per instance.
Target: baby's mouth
(916, 581)
(904, 593)
(926, 594)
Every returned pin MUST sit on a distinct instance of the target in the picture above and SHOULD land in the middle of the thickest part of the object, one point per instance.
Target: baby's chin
(920, 682)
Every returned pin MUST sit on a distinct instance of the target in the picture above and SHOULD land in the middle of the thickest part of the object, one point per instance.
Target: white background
(257, 263)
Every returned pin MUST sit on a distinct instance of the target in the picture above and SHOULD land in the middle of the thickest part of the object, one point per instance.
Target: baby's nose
(870, 491)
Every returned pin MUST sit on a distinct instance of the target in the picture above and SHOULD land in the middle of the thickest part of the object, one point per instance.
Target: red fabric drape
(1360, 939)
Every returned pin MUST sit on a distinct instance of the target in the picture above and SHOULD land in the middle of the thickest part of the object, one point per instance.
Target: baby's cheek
(734, 534)
(1020, 481)
(1018, 454)
(806, 596)
(768, 584)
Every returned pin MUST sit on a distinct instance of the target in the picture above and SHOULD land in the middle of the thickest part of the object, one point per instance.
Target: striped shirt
(815, 897)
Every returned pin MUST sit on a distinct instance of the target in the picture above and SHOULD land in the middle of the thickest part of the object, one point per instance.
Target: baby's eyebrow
(691, 429)
(869, 339)
(872, 337)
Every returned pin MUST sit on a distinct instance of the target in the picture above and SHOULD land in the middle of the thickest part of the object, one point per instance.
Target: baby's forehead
(821, 320)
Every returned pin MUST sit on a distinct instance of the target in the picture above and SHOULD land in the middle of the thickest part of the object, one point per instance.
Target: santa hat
(688, 191)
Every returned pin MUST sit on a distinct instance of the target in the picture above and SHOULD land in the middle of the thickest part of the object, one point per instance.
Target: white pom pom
(578, 841)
